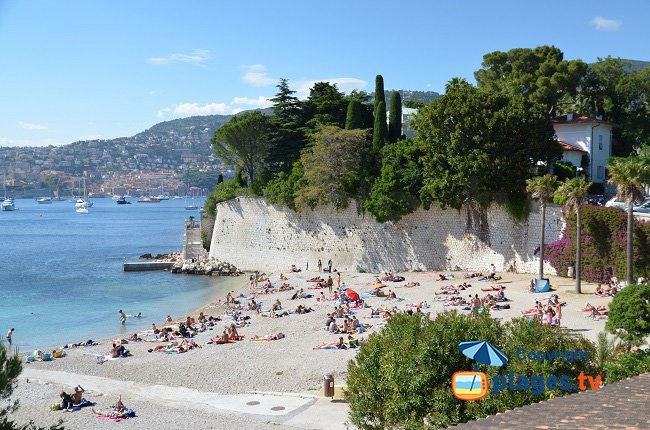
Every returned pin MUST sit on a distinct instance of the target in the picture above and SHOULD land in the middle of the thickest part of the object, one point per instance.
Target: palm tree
(542, 188)
(628, 175)
(573, 192)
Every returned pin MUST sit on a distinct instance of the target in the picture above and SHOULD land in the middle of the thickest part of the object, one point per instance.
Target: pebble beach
(250, 384)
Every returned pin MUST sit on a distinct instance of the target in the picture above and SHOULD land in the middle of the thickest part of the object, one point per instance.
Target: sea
(61, 277)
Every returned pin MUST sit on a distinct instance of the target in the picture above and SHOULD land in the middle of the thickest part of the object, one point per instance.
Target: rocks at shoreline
(208, 267)
(149, 256)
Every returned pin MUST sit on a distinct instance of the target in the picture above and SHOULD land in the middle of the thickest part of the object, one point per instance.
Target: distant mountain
(408, 95)
(636, 65)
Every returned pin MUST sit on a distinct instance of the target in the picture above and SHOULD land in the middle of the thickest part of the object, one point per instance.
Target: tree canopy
(244, 141)
(332, 167)
(541, 74)
(481, 145)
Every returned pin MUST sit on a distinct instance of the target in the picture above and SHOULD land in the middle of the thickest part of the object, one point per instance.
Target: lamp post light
(578, 170)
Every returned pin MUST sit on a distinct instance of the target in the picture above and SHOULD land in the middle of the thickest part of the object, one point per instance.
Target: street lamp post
(578, 170)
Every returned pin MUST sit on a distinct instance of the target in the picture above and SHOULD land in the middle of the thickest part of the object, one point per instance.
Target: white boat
(82, 210)
(83, 202)
(191, 205)
(8, 204)
(44, 201)
(116, 197)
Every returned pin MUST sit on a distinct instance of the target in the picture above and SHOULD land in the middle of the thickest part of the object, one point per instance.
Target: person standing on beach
(338, 280)
(329, 265)
(320, 266)
(558, 313)
(10, 335)
(330, 283)
(122, 317)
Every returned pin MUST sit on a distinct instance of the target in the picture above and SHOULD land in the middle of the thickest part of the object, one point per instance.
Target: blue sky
(74, 69)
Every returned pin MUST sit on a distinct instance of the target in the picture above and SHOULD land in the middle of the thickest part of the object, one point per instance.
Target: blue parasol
(483, 352)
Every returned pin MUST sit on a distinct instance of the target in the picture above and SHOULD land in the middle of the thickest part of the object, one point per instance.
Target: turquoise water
(61, 274)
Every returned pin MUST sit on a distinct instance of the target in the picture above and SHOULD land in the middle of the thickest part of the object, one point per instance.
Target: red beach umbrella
(352, 295)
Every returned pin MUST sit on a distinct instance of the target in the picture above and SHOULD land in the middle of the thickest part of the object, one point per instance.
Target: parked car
(615, 203)
(643, 208)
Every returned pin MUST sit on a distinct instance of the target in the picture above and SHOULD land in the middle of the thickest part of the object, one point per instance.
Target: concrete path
(257, 404)
(296, 410)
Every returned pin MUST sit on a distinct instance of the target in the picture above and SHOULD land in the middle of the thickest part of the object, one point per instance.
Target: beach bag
(129, 413)
(47, 356)
(58, 354)
(55, 407)
(30, 358)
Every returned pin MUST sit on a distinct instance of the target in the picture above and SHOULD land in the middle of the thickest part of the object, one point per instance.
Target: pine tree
(354, 117)
(380, 130)
(287, 137)
(395, 119)
(219, 178)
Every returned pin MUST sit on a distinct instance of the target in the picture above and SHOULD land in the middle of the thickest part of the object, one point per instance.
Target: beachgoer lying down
(117, 411)
(268, 337)
(339, 344)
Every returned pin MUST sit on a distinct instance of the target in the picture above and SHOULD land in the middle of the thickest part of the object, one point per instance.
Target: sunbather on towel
(339, 344)
(268, 337)
(117, 411)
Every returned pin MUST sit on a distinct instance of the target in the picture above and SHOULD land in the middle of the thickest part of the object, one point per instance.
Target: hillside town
(157, 159)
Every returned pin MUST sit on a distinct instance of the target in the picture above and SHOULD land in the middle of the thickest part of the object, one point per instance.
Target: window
(600, 142)
(600, 172)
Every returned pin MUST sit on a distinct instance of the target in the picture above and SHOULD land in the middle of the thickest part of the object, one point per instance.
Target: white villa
(582, 135)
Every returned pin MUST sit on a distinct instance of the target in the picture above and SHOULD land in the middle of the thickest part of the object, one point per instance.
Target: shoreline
(121, 332)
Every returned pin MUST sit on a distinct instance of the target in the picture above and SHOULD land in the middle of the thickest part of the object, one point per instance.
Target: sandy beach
(256, 384)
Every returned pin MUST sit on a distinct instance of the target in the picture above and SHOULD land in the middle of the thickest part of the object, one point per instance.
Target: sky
(77, 69)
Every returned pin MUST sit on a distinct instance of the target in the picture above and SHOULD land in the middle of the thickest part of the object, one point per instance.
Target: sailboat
(8, 202)
(83, 202)
(192, 205)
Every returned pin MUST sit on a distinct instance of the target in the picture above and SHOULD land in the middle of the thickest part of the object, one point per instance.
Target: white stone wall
(253, 235)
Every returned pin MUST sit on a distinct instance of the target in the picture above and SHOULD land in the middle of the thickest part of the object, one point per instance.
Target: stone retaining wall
(256, 236)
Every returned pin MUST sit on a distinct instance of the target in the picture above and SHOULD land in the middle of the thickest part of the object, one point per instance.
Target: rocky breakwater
(208, 267)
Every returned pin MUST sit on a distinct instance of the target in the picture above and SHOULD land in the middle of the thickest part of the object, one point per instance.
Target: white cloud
(198, 56)
(5, 141)
(237, 105)
(605, 24)
(343, 84)
(257, 76)
(193, 109)
(31, 126)
(260, 102)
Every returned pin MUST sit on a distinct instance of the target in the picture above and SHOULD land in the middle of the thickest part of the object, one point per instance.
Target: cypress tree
(395, 118)
(379, 91)
(380, 130)
(354, 117)
(219, 178)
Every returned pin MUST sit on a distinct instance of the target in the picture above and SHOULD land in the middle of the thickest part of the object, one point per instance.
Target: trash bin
(570, 271)
(328, 385)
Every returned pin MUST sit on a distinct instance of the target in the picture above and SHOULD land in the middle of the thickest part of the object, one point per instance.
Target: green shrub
(224, 191)
(627, 365)
(282, 190)
(564, 170)
(629, 314)
(401, 377)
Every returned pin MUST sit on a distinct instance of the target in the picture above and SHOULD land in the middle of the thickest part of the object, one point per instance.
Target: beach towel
(113, 419)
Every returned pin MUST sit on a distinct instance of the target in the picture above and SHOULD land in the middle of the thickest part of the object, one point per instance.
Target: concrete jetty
(141, 266)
